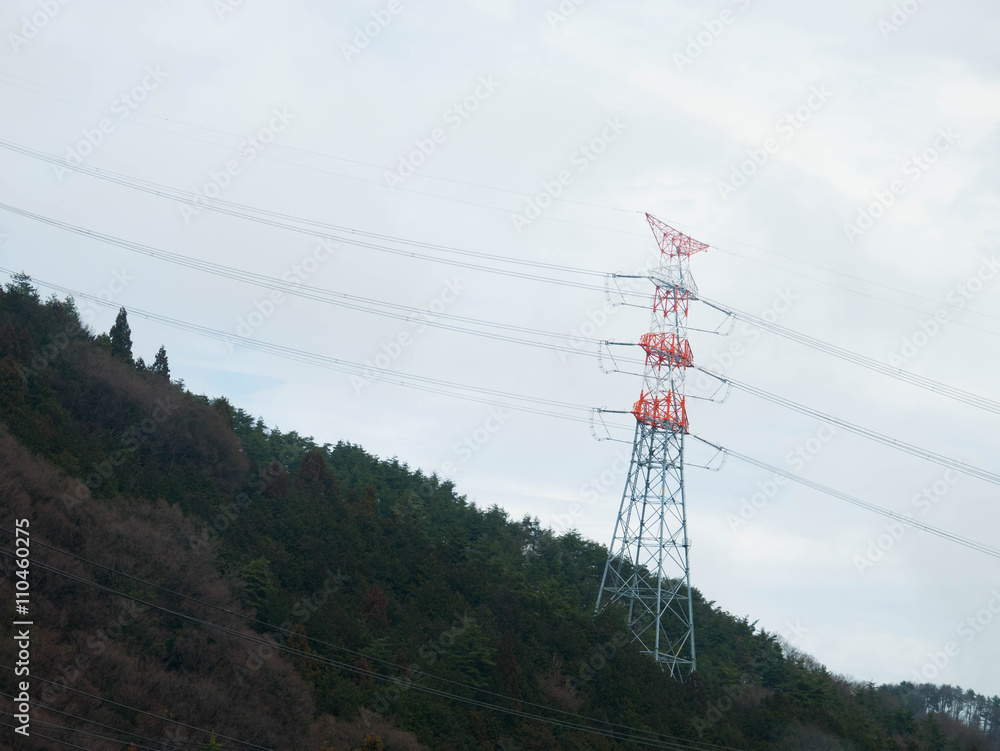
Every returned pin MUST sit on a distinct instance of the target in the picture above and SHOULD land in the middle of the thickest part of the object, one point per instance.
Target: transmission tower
(647, 568)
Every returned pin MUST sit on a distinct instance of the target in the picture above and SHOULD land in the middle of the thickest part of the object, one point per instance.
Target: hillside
(278, 583)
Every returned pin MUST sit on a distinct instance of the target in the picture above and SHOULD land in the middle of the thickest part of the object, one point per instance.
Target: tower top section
(673, 243)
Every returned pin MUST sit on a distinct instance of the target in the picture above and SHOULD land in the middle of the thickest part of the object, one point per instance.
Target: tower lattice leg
(648, 567)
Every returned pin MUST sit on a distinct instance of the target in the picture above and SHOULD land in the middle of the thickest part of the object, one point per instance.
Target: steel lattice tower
(647, 566)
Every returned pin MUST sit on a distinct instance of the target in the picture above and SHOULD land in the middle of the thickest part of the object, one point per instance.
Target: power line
(159, 747)
(50, 738)
(895, 443)
(406, 313)
(349, 235)
(314, 168)
(940, 303)
(929, 384)
(650, 741)
(407, 380)
(110, 701)
(828, 270)
(508, 191)
(96, 172)
(397, 311)
(320, 642)
(240, 211)
(902, 518)
(447, 387)
(162, 744)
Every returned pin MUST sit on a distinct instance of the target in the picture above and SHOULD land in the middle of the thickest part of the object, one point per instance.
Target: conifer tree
(212, 745)
(161, 368)
(121, 337)
(20, 284)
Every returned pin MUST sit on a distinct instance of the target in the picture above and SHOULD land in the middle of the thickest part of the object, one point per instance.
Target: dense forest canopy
(350, 586)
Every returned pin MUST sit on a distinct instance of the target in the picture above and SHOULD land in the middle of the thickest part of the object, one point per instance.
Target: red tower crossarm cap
(671, 241)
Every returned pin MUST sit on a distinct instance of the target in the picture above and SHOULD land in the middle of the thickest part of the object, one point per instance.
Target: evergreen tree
(20, 284)
(212, 745)
(161, 368)
(121, 337)
(260, 586)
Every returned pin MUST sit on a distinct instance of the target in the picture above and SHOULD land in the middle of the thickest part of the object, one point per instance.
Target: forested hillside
(304, 596)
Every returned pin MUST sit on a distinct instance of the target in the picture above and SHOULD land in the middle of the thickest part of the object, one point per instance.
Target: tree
(212, 745)
(374, 607)
(121, 337)
(161, 369)
(369, 505)
(20, 284)
(510, 672)
(260, 585)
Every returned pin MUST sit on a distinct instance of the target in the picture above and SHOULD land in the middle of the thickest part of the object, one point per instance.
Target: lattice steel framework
(647, 566)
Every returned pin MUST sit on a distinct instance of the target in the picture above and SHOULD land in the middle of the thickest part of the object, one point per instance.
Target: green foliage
(20, 285)
(261, 589)
(160, 367)
(381, 560)
(212, 745)
(121, 337)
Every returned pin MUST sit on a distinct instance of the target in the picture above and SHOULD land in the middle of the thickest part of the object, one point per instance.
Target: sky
(840, 160)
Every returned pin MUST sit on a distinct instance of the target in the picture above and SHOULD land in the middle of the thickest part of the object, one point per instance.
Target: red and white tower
(647, 568)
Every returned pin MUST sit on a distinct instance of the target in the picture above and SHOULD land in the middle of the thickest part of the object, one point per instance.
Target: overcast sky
(841, 158)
